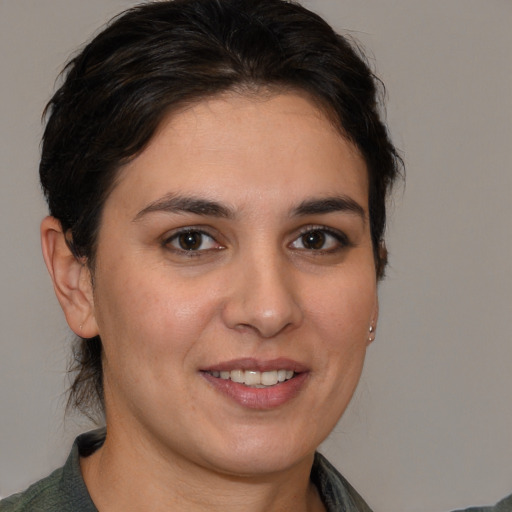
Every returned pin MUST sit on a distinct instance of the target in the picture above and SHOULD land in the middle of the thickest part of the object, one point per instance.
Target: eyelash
(191, 253)
(341, 239)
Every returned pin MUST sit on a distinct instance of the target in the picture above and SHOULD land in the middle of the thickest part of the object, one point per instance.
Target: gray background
(430, 428)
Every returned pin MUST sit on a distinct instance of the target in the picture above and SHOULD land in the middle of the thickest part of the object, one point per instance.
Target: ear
(383, 260)
(373, 321)
(71, 279)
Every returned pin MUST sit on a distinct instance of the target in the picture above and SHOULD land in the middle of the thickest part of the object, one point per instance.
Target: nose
(263, 298)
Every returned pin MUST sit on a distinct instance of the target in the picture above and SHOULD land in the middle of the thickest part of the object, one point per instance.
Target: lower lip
(258, 398)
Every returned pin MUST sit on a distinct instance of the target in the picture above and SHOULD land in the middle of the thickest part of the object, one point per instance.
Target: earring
(371, 337)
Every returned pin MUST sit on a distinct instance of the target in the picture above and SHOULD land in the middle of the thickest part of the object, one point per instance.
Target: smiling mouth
(255, 378)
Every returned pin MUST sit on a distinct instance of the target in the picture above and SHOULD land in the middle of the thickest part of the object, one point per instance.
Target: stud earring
(372, 336)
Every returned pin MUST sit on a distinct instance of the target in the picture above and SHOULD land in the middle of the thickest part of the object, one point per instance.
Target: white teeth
(255, 378)
(237, 376)
(269, 378)
(252, 378)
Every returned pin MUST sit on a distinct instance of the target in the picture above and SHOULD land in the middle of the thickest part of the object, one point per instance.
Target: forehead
(235, 146)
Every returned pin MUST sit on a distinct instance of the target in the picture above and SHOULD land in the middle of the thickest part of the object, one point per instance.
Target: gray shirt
(65, 491)
(504, 505)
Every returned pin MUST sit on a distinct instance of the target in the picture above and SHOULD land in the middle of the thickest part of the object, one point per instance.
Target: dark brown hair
(158, 56)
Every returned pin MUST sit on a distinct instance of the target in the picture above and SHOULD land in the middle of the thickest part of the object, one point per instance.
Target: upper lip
(249, 363)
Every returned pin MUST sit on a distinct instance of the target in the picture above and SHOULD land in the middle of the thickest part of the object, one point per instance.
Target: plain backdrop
(430, 427)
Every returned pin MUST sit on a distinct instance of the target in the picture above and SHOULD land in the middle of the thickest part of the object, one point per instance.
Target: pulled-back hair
(158, 57)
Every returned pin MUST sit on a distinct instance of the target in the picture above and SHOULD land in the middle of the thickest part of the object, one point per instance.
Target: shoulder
(335, 491)
(62, 491)
(505, 505)
(41, 496)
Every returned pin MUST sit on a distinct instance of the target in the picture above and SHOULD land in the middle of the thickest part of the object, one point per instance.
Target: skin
(254, 287)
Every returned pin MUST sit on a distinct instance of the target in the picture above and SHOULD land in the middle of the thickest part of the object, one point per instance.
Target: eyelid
(169, 237)
(337, 234)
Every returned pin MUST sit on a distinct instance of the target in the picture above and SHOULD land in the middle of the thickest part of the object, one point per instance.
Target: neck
(123, 475)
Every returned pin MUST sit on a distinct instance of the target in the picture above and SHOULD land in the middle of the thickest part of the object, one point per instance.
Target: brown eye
(192, 240)
(313, 240)
(325, 240)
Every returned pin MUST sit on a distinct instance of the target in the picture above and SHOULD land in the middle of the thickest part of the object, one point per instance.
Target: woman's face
(235, 285)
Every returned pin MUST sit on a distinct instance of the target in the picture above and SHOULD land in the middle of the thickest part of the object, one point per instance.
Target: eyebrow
(172, 203)
(186, 204)
(330, 205)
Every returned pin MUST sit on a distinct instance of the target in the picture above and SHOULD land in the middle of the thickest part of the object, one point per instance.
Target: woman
(216, 174)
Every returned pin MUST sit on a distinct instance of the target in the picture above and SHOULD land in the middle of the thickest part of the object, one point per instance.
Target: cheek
(342, 309)
(340, 315)
(147, 330)
(148, 314)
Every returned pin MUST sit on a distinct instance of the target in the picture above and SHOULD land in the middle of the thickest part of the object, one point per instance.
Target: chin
(256, 457)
